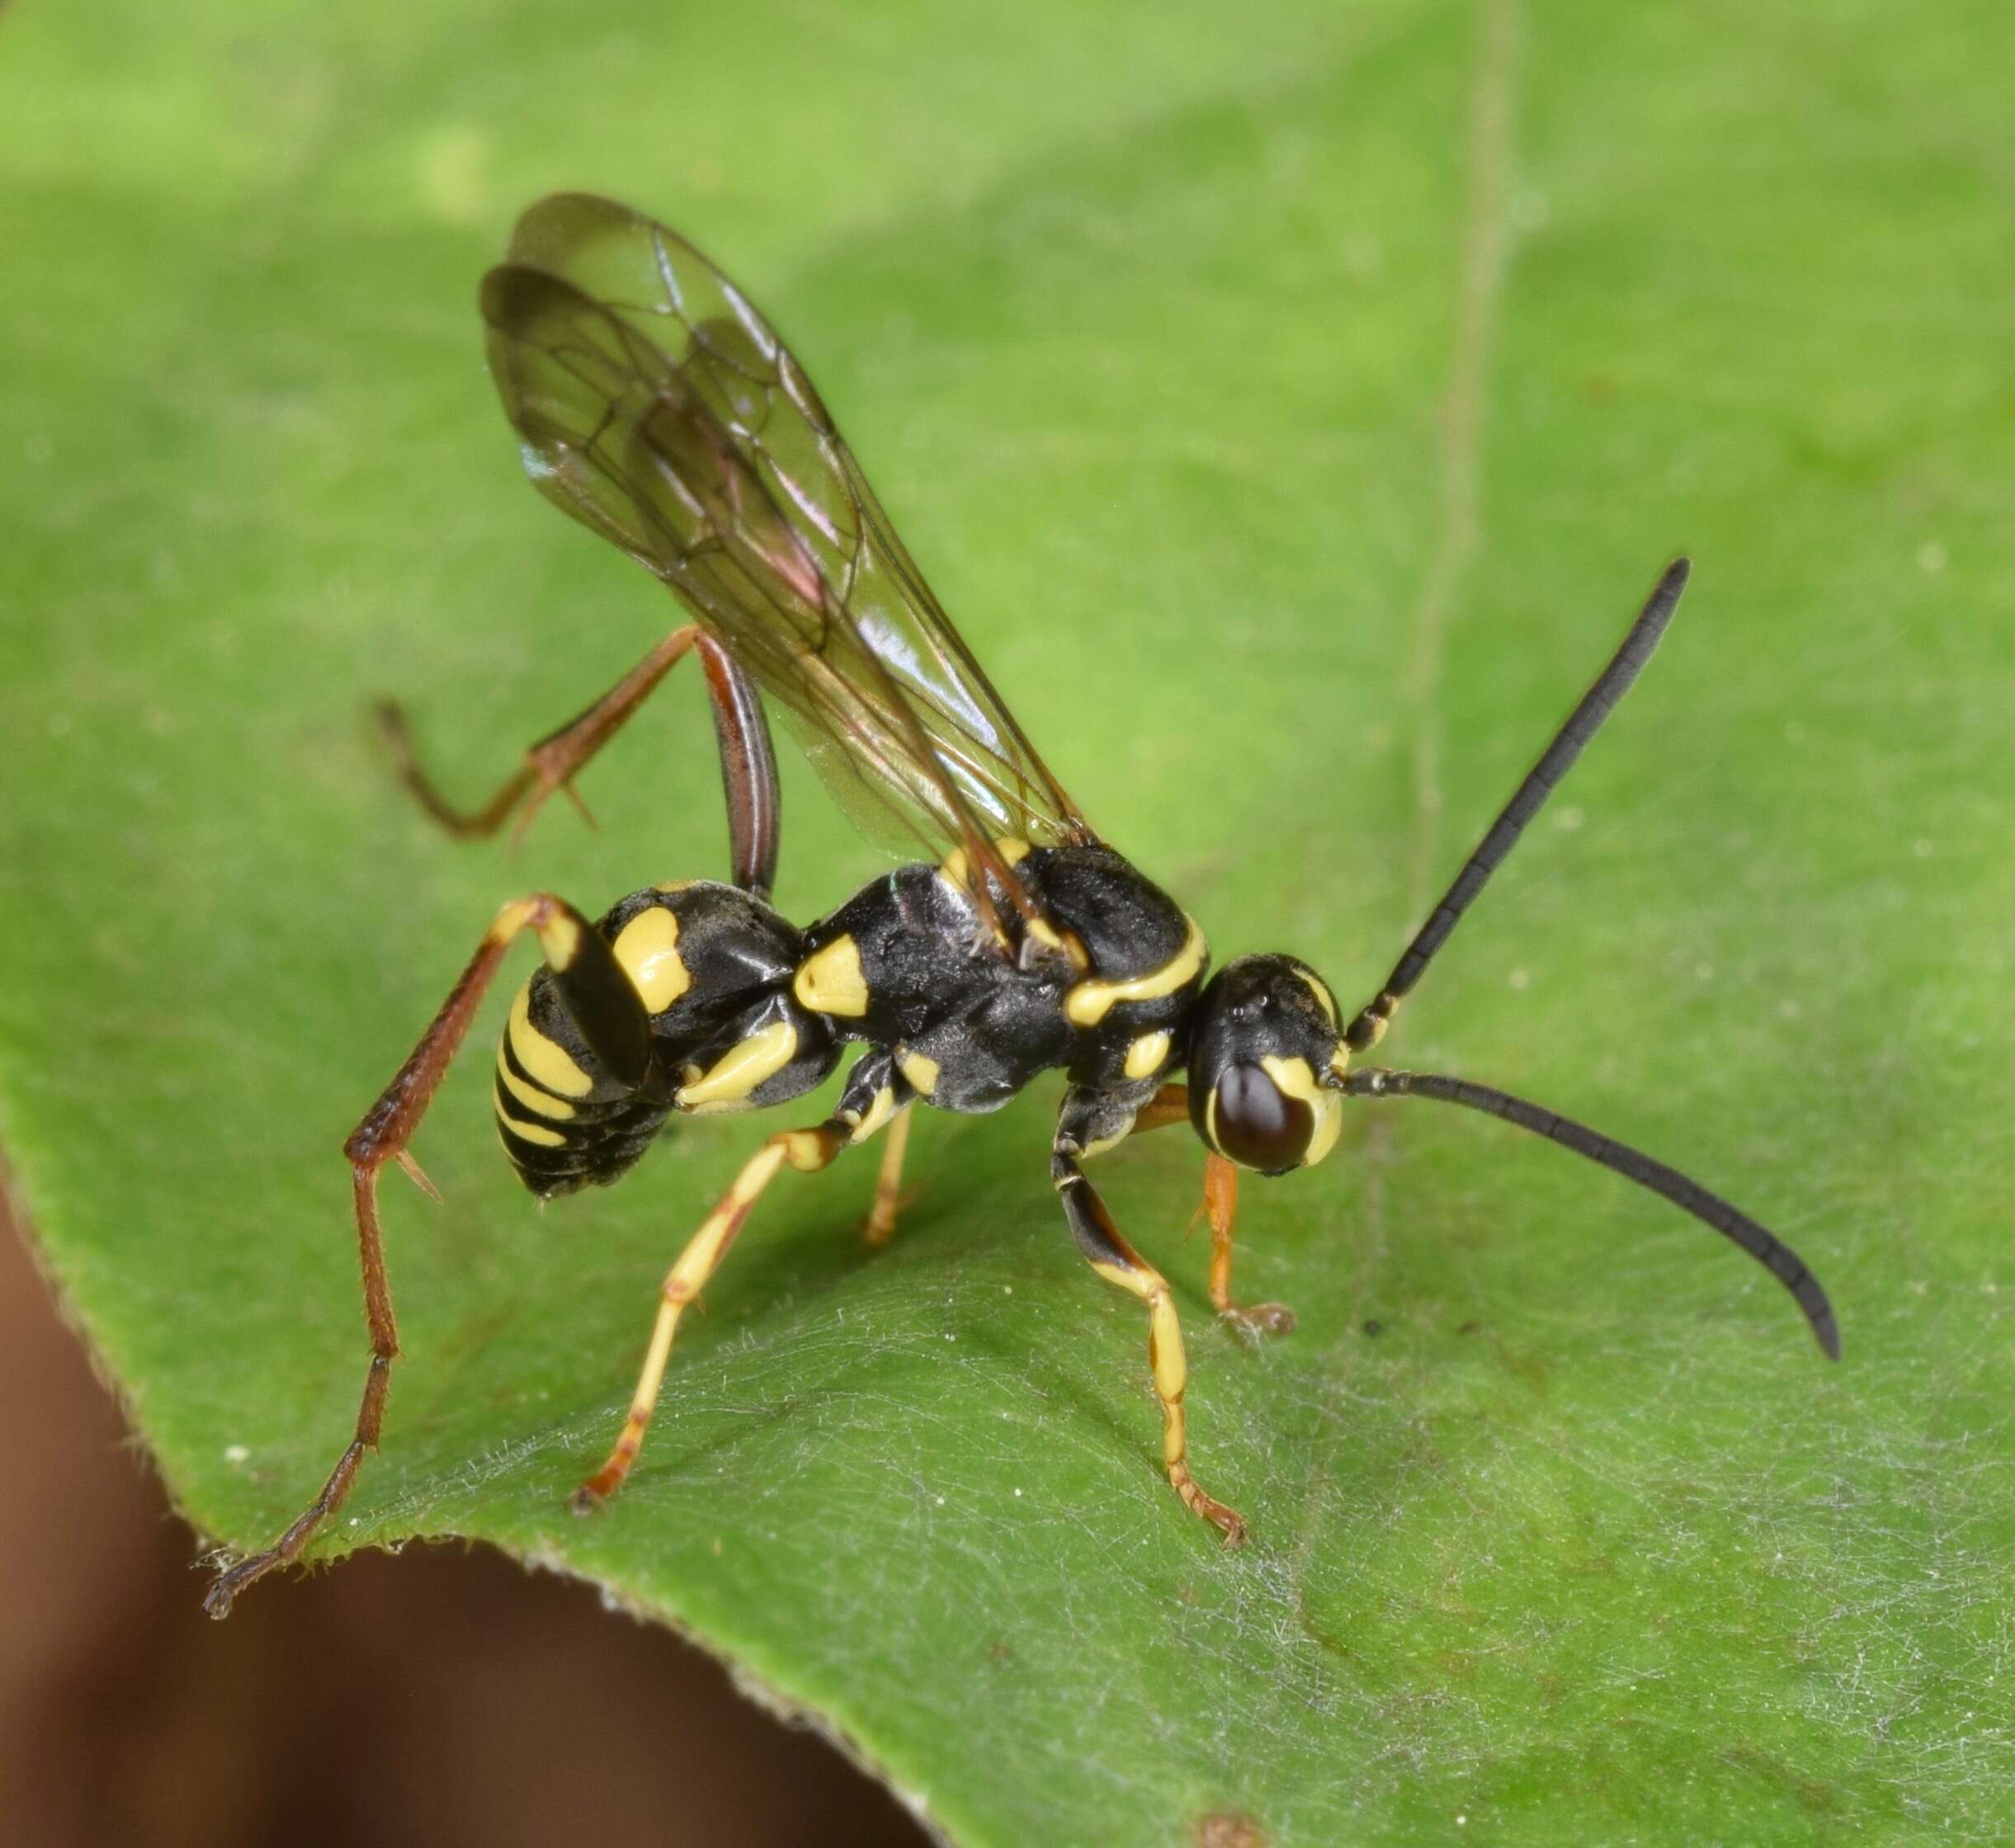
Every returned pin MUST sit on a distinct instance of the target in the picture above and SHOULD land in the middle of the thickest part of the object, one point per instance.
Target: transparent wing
(658, 407)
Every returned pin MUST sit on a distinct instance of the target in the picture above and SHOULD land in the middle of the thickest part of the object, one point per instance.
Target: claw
(1260, 1320)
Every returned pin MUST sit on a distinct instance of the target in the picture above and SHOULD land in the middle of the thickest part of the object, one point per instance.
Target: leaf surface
(1292, 420)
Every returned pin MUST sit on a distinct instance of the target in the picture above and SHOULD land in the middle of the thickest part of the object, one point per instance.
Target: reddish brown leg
(1220, 1207)
(747, 762)
(580, 959)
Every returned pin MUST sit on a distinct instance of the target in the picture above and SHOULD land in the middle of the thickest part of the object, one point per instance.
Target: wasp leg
(880, 1227)
(1220, 1206)
(613, 1022)
(1110, 1255)
(748, 761)
(874, 1093)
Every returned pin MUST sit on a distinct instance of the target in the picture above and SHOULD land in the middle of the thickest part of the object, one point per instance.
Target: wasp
(656, 405)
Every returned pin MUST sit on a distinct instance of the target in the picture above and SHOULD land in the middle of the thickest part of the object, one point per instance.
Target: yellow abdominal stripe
(529, 1096)
(531, 1132)
(544, 1062)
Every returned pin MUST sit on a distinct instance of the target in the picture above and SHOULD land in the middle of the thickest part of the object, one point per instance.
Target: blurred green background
(1291, 411)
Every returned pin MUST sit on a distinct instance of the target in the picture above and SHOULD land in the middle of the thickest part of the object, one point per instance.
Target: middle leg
(874, 1093)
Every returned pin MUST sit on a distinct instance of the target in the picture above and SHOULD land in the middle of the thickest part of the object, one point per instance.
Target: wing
(659, 408)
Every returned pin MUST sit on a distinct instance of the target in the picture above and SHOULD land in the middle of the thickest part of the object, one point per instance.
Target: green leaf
(1292, 414)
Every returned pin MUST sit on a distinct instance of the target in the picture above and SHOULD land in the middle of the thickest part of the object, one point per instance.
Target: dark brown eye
(1256, 1124)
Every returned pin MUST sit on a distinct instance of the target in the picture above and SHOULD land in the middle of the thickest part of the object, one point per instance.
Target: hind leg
(611, 1019)
(747, 760)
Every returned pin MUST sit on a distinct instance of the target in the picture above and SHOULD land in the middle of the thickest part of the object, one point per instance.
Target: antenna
(1766, 1247)
(1583, 724)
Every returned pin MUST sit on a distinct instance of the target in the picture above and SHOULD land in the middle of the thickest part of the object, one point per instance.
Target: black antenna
(1768, 1250)
(1583, 724)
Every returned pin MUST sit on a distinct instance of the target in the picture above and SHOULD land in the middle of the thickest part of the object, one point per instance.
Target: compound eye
(1256, 1124)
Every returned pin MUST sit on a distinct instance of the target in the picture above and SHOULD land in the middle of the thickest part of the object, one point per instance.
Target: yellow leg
(806, 1150)
(881, 1226)
(1115, 1260)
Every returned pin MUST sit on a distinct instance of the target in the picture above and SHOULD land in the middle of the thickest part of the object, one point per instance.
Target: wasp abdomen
(713, 966)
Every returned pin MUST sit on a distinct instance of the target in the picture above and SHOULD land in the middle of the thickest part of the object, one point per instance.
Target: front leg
(1088, 1124)
(1170, 1105)
(1220, 1207)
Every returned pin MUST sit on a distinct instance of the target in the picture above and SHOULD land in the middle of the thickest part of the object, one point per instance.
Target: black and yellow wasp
(656, 405)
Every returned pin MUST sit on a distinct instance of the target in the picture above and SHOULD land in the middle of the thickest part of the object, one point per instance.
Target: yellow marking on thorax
(830, 982)
(1296, 1079)
(1068, 944)
(1089, 1002)
(548, 1063)
(919, 1069)
(531, 1132)
(647, 947)
(957, 869)
(1147, 1054)
(530, 1097)
(738, 1072)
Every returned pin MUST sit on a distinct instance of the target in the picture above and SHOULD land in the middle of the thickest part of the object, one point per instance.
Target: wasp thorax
(1266, 1064)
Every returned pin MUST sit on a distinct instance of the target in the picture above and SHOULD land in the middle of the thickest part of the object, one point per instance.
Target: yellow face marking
(526, 1095)
(830, 981)
(1339, 1060)
(648, 949)
(921, 1071)
(1296, 1079)
(531, 1132)
(739, 1070)
(1147, 1055)
(878, 1113)
(1324, 999)
(1089, 1002)
(550, 1064)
